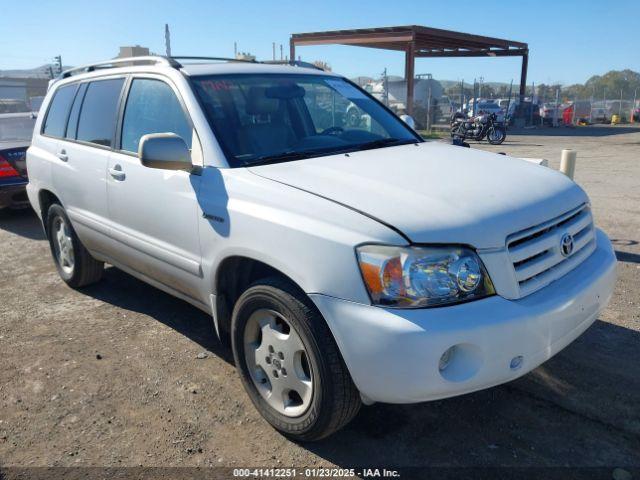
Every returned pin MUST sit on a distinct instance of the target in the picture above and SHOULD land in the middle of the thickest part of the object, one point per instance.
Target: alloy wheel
(63, 245)
(278, 362)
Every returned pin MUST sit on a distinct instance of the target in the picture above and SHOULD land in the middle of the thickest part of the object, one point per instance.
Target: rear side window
(56, 121)
(152, 107)
(97, 122)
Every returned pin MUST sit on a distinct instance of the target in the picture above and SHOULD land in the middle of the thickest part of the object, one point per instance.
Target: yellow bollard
(568, 162)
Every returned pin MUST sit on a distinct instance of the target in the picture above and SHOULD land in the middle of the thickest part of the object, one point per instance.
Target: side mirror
(408, 119)
(166, 151)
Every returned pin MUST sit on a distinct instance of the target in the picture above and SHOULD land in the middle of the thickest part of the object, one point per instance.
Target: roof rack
(149, 59)
(221, 59)
(293, 63)
(172, 61)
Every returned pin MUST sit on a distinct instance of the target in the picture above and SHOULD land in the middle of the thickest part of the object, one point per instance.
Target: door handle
(117, 173)
(63, 156)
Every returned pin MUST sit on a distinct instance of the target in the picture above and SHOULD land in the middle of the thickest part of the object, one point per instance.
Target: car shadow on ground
(579, 409)
(23, 222)
(122, 290)
(588, 131)
(627, 257)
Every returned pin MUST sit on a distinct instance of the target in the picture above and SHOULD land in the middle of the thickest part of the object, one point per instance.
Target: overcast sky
(569, 40)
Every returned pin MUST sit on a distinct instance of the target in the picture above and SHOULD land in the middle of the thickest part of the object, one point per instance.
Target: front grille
(536, 252)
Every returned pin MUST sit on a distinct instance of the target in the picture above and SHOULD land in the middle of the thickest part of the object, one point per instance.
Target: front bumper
(393, 355)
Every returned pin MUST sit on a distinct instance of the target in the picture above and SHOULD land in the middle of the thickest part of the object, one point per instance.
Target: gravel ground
(121, 374)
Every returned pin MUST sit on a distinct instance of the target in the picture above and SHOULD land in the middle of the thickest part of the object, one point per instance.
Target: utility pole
(385, 86)
(555, 110)
(167, 39)
(57, 61)
(620, 107)
(533, 94)
(506, 114)
(473, 107)
(273, 47)
(429, 115)
(235, 49)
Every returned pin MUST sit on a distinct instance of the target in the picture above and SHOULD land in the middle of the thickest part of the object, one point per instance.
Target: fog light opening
(446, 357)
(460, 362)
(516, 362)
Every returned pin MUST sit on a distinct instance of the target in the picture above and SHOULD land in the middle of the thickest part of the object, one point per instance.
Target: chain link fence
(436, 101)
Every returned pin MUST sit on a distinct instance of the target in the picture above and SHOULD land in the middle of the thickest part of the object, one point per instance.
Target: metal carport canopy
(418, 41)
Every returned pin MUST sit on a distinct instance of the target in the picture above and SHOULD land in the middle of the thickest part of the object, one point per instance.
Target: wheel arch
(233, 276)
(46, 198)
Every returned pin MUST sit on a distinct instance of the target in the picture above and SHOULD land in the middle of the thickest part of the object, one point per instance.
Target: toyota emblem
(566, 245)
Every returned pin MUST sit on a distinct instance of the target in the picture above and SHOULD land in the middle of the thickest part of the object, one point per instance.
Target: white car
(551, 111)
(343, 265)
(486, 108)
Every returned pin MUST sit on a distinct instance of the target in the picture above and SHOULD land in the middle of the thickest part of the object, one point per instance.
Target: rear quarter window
(55, 122)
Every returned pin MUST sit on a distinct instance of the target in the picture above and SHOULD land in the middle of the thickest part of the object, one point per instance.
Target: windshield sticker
(216, 85)
(345, 89)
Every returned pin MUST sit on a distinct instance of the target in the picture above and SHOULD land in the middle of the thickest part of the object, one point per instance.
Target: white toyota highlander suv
(344, 264)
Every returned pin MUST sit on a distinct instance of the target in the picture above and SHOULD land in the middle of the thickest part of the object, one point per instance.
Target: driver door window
(152, 107)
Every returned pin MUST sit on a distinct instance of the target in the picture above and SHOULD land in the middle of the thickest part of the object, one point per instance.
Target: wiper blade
(294, 155)
(283, 157)
(383, 142)
(302, 154)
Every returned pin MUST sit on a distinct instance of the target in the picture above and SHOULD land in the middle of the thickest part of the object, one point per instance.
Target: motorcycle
(479, 128)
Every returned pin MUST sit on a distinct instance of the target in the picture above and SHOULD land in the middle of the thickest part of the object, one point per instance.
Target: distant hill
(38, 72)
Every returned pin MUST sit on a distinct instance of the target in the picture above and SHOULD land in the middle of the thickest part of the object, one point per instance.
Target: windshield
(264, 118)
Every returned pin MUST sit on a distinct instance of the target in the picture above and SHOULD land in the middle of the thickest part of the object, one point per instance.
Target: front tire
(74, 263)
(496, 135)
(289, 362)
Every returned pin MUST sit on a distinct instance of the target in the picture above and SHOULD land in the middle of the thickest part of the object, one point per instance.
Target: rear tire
(328, 400)
(74, 263)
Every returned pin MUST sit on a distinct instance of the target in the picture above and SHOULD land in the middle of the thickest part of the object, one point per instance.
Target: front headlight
(414, 277)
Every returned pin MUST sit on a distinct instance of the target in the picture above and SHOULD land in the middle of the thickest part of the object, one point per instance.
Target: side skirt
(154, 283)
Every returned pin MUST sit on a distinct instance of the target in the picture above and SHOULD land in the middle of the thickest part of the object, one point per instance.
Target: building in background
(133, 51)
(245, 56)
(13, 90)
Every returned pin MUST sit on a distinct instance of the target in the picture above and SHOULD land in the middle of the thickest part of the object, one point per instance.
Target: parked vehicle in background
(550, 112)
(485, 125)
(530, 112)
(599, 115)
(342, 264)
(504, 103)
(486, 108)
(11, 105)
(16, 130)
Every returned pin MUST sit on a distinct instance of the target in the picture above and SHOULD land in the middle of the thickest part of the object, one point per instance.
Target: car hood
(436, 193)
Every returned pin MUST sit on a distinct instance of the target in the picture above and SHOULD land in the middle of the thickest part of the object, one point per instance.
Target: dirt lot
(109, 376)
